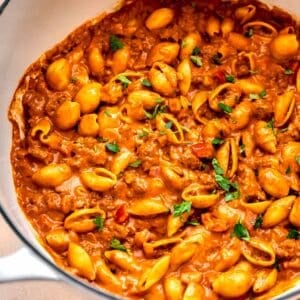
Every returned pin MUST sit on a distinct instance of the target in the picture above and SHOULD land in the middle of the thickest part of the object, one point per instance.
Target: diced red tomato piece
(121, 214)
(220, 76)
(203, 150)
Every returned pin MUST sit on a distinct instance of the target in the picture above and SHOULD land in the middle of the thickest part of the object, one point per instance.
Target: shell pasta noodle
(156, 150)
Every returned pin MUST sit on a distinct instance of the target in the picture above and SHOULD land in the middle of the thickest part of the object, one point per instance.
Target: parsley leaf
(216, 166)
(116, 244)
(270, 124)
(183, 207)
(232, 196)
(159, 100)
(124, 80)
(223, 182)
(262, 94)
(183, 43)
(288, 170)
(196, 51)
(107, 112)
(157, 110)
(293, 234)
(169, 125)
(143, 133)
(135, 164)
(216, 58)
(146, 83)
(73, 79)
(226, 109)
(112, 147)
(249, 33)
(258, 222)
(99, 222)
(217, 141)
(230, 78)
(196, 60)
(192, 222)
(115, 43)
(298, 160)
(288, 71)
(241, 232)
(242, 148)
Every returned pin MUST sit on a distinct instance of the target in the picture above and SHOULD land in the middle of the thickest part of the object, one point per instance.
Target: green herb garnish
(99, 222)
(293, 234)
(116, 244)
(217, 141)
(135, 164)
(107, 112)
(169, 125)
(262, 94)
(196, 60)
(124, 80)
(288, 170)
(196, 51)
(183, 207)
(192, 222)
(143, 133)
(74, 79)
(230, 78)
(232, 196)
(277, 265)
(115, 43)
(249, 33)
(288, 71)
(241, 232)
(157, 110)
(270, 124)
(146, 83)
(216, 58)
(225, 108)
(298, 160)
(112, 147)
(258, 222)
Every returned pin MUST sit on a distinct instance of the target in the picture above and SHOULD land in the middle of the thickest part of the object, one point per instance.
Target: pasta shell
(259, 252)
(284, 108)
(147, 207)
(82, 220)
(265, 280)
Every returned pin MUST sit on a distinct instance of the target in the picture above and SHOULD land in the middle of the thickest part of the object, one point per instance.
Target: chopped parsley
(288, 71)
(258, 222)
(270, 124)
(293, 234)
(249, 33)
(242, 148)
(260, 95)
(183, 207)
(225, 183)
(241, 232)
(298, 160)
(115, 43)
(225, 108)
(102, 140)
(230, 78)
(196, 51)
(143, 133)
(159, 100)
(99, 222)
(135, 164)
(192, 222)
(217, 141)
(169, 125)
(196, 60)
(116, 244)
(183, 43)
(124, 80)
(232, 196)
(107, 112)
(74, 79)
(146, 83)
(157, 110)
(288, 170)
(216, 58)
(112, 147)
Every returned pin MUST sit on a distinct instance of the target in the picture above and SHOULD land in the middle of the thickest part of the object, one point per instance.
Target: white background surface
(33, 290)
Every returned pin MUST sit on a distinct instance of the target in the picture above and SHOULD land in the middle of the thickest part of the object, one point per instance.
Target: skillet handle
(24, 265)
